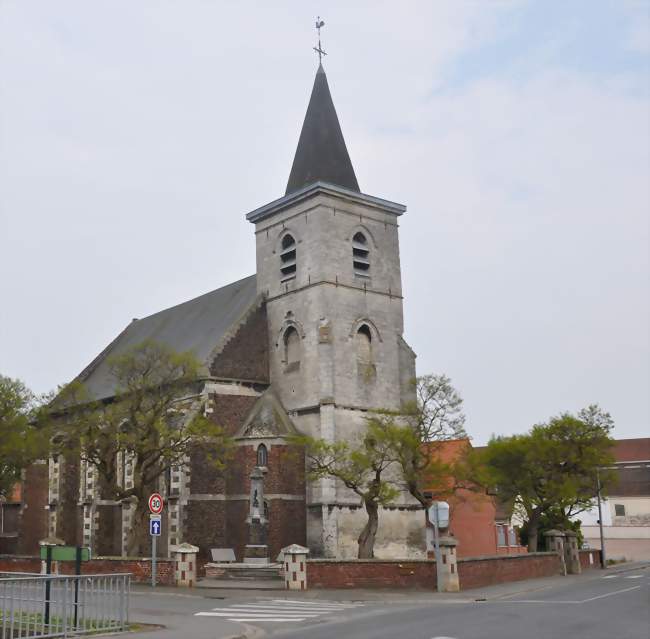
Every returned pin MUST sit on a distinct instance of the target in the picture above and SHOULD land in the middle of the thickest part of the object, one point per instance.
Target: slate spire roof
(321, 154)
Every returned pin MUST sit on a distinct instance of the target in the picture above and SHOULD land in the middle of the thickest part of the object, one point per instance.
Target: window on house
(619, 510)
(262, 455)
(501, 536)
(287, 258)
(9, 515)
(364, 344)
(292, 348)
(360, 255)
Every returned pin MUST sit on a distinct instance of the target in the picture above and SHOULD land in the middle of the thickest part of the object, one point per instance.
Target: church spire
(321, 154)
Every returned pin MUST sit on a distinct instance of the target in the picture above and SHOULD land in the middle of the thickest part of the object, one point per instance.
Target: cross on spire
(319, 23)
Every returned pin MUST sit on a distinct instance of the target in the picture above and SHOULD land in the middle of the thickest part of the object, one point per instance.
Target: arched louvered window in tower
(360, 255)
(287, 258)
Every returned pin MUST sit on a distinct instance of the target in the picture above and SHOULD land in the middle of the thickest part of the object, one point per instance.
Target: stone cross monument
(257, 550)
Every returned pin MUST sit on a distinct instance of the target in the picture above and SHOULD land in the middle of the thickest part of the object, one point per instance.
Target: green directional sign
(65, 553)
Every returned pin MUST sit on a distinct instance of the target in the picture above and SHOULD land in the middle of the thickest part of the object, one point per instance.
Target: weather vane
(319, 23)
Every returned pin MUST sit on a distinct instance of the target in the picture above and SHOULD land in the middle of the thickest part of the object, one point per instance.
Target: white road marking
(278, 610)
(634, 577)
(610, 576)
(259, 615)
(328, 604)
(610, 594)
(247, 620)
(581, 601)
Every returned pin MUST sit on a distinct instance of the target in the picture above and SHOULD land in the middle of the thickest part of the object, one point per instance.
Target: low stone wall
(371, 573)
(477, 572)
(140, 569)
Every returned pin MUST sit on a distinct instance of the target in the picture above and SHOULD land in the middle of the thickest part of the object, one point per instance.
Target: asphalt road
(616, 608)
(596, 605)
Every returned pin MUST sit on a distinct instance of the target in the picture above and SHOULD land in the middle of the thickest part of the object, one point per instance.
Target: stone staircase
(242, 576)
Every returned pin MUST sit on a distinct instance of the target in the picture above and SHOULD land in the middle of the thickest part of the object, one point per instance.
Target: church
(310, 343)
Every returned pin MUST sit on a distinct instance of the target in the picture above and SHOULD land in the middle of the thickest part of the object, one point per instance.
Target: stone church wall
(401, 533)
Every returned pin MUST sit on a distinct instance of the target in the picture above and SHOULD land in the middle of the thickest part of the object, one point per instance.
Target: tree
(155, 420)
(22, 441)
(417, 433)
(551, 469)
(361, 467)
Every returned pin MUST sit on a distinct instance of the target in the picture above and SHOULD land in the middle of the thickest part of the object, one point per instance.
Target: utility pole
(603, 561)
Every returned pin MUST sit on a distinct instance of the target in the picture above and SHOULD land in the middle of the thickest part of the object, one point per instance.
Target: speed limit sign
(156, 503)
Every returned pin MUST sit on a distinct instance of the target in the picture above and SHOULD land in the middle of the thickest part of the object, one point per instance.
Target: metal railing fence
(40, 606)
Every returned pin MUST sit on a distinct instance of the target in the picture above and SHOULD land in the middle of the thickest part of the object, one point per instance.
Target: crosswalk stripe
(251, 613)
(318, 603)
(287, 610)
(296, 606)
(246, 620)
(277, 610)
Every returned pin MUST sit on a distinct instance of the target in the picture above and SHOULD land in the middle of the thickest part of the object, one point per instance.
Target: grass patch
(31, 624)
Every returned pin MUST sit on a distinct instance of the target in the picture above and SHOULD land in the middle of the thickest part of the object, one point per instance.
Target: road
(597, 605)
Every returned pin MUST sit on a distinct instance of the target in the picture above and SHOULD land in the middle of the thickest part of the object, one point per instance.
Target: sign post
(439, 517)
(156, 505)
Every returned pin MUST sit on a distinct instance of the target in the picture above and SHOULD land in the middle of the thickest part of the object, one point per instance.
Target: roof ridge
(193, 299)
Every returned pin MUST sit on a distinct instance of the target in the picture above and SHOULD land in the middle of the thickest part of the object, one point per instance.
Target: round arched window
(262, 455)
(292, 347)
(364, 344)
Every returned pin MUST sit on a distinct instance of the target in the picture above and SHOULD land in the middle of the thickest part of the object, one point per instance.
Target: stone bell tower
(328, 265)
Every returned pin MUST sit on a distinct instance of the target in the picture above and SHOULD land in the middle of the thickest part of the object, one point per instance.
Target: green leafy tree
(416, 434)
(155, 420)
(22, 439)
(551, 469)
(361, 467)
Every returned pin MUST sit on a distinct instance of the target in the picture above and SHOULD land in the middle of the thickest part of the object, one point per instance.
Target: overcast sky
(135, 136)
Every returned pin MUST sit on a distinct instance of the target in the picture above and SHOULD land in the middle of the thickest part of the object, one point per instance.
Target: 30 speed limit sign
(156, 503)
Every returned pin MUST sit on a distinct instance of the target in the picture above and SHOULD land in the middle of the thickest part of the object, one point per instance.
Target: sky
(135, 136)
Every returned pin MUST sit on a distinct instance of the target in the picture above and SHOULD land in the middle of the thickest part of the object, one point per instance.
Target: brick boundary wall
(477, 572)
(371, 573)
(140, 569)
(595, 559)
(473, 572)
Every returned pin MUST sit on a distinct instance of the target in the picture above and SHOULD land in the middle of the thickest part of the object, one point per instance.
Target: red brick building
(478, 520)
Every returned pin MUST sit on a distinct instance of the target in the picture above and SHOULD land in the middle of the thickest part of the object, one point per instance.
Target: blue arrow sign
(154, 527)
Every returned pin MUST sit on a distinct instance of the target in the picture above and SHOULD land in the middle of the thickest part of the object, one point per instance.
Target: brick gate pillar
(447, 572)
(571, 553)
(185, 564)
(555, 543)
(295, 567)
